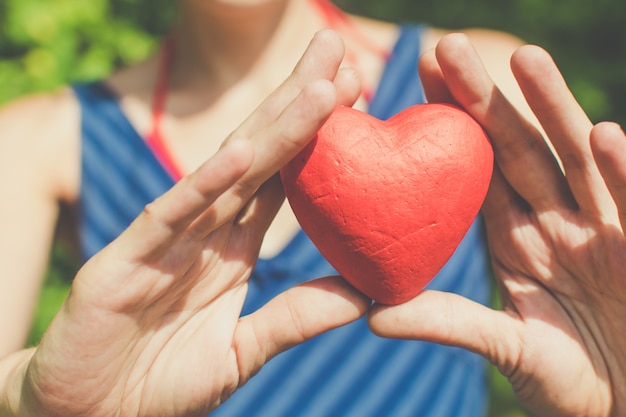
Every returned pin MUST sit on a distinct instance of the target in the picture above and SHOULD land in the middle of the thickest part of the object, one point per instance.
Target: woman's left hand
(556, 237)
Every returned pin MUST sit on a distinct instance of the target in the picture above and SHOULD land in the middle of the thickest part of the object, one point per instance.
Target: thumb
(452, 320)
(293, 317)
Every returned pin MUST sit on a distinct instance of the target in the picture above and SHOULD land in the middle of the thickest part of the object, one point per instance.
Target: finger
(294, 317)
(285, 122)
(257, 216)
(452, 320)
(520, 150)
(262, 208)
(275, 142)
(565, 123)
(501, 203)
(279, 141)
(274, 145)
(348, 85)
(321, 60)
(165, 219)
(433, 81)
(608, 144)
(501, 197)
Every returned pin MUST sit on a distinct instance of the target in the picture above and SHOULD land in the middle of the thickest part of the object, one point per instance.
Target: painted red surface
(387, 203)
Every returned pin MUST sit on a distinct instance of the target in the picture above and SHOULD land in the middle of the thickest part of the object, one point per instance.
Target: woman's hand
(556, 238)
(152, 325)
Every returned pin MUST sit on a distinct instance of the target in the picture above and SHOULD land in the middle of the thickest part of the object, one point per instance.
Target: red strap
(335, 18)
(154, 139)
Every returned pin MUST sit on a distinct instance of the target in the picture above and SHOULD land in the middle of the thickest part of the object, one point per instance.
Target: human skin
(556, 238)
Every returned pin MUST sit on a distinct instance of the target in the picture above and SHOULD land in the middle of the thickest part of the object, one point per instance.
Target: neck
(222, 42)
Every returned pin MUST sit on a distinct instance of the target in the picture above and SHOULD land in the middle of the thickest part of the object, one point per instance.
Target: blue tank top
(345, 372)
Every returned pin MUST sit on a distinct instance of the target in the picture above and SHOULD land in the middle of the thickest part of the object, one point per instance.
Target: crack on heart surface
(402, 240)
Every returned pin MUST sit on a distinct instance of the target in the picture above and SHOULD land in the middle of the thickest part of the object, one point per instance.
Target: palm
(189, 320)
(555, 313)
(152, 325)
(193, 323)
(160, 329)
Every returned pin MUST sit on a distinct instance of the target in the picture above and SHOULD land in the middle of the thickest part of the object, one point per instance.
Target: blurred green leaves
(47, 43)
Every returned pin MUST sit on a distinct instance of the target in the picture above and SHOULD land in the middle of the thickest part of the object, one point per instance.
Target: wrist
(12, 375)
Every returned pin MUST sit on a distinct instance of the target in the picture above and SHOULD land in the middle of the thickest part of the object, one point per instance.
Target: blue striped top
(345, 372)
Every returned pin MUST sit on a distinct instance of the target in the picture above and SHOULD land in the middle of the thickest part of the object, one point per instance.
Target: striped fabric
(120, 174)
(345, 372)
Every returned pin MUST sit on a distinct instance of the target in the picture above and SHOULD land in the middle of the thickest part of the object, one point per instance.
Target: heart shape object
(388, 202)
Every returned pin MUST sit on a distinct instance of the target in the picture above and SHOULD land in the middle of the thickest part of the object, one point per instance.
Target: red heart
(387, 203)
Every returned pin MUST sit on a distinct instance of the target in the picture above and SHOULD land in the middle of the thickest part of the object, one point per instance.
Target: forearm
(12, 373)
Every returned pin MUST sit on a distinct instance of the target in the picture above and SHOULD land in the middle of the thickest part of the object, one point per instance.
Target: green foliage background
(586, 37)
(47, 43)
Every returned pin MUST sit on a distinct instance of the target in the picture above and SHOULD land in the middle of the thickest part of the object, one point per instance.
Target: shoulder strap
(155, 139)
(119, 173)
(337, 19)
(400, 86)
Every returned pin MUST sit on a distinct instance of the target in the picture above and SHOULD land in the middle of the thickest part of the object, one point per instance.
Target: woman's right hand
(152, 324)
